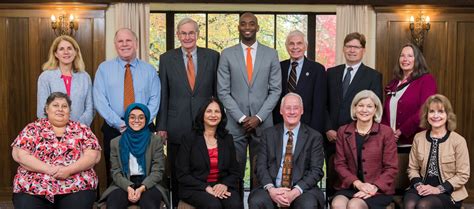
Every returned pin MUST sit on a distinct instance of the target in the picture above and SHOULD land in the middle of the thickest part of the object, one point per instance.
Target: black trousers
(77, 200)
(172, 151)
(149, 199)
(204, 200)
(109, 134)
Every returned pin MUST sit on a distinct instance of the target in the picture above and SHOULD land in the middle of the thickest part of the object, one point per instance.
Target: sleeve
(43, 92)
(101, 103)
(157, 164)
(386, 181)
(163, 113)
(462, 172)
(414, 165)
(274, 88)
(263, 175)
(183, 168)
(315, 169)
(26, 138)
(224, 85)
(427, 88)
(115, 169)
(232, 178)
(88, 114)
(90, 140)
(341, 163)
(154, 100)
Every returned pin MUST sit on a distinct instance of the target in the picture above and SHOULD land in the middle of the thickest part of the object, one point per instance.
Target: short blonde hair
(53, 63)
(364, 95)
(443, 102)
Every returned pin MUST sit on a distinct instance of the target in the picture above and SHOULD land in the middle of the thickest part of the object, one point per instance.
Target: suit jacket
(241, 98)
(179, 104)
(308, 158)
(311, 87)
(155, 167)
(366, 78)
(193, 164)
(409, 105)
(379, 158)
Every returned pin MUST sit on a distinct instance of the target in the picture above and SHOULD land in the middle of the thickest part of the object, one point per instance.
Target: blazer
(179, 104)
(379, 158)
(453, 162)
(241, 98)
(155, 167)
(409, 105)
(193, 164)
(308, 158)
(311, 87)
(366, 78)
(82, 108)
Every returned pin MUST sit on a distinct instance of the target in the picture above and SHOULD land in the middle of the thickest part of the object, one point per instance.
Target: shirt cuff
(242, 119)
(268, 186)
(259, 118)
(299, 188)
(448, 187)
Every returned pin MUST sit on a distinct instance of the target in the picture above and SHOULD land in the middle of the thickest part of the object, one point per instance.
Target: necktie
(292, 78)
(190, 71)
(249, 64)
(287, 162)
(128, 92)
(346, 82)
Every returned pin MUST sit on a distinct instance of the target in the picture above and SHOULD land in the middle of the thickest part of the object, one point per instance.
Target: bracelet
(441, 189)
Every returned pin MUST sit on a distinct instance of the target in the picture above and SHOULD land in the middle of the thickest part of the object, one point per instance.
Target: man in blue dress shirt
(109, 87)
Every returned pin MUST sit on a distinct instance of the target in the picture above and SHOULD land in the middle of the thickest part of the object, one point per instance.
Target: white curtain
(352, 18)
(135, 16)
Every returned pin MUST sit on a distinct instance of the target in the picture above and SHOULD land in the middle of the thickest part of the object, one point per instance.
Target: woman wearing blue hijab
(137, 164)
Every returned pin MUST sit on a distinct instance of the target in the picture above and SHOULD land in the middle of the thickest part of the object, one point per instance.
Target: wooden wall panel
(449, 52)
(25, 37)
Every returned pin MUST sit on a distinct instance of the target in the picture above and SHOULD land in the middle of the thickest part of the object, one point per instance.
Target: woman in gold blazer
(439, 160)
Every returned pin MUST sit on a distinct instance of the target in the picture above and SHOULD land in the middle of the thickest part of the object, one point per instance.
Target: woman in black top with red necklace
(206, 164)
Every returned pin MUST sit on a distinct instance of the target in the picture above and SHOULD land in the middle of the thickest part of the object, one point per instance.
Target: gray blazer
(308, 158)
(81, 94)
(179, 104)
(240, 98)
(155, 167)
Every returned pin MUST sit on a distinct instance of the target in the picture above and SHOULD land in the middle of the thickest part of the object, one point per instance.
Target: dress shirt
(253, 52)
(134, 167)
(195, 61)
(82, 108)
(353, 72)
(109, 84)
(298, 68)
(285, 142)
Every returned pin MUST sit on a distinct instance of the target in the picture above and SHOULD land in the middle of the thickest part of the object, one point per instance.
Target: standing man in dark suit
(306, 78)
(249, 86)
(289, 162)
(188, 80)
(344, 82)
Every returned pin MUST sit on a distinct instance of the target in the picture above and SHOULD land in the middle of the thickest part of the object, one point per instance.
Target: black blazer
(179, 104)
(308, 158)
(366, 78)
(193, 164)
(311, 87)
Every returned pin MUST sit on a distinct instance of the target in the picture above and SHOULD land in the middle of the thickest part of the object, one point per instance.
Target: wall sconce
(419, 26)
(63, 25)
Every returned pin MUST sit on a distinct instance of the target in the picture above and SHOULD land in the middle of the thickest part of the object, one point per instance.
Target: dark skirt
(445, 199)
(378, 201)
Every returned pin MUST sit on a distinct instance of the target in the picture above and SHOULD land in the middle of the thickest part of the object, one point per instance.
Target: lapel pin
(307, 73)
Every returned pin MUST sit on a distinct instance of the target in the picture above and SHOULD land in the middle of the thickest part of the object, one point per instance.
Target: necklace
(209, 140)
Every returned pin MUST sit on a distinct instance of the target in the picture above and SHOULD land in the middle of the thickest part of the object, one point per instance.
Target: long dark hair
(419, 68)
(199, 121)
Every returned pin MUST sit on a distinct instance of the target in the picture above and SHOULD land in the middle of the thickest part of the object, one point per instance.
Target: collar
(299, 61)
(351, 127)
(355, 67)
(254, 45)
(122, 63)
(193, 52)
(295, 130)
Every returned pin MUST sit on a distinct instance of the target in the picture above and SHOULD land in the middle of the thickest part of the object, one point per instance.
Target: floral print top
(39, 140)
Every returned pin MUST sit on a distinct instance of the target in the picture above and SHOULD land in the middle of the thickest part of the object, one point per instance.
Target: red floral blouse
(39, 140)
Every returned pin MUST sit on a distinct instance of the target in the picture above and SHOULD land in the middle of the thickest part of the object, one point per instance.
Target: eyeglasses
(353, 47)
(190, 34)
(139, 118)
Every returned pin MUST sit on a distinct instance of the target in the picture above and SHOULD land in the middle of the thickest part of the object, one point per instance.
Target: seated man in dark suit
(290, 162)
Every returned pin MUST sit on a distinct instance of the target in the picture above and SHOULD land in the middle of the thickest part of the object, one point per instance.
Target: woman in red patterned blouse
(56, 157)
